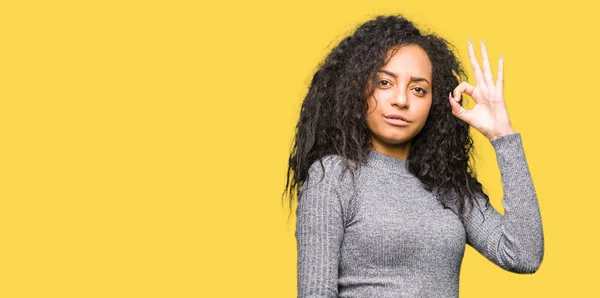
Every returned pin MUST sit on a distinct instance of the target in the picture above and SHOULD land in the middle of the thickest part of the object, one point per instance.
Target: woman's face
(403, 90)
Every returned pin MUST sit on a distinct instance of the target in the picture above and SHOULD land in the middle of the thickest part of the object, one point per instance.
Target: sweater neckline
(388, 163)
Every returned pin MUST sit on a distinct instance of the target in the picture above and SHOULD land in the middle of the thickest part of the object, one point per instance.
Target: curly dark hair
(333, 114)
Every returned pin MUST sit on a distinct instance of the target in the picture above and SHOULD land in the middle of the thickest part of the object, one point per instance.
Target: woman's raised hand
(489, 116)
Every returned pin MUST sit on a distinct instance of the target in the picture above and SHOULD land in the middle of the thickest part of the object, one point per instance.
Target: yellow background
(144, 144)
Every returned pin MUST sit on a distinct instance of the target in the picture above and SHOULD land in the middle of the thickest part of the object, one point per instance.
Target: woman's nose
(401, 99)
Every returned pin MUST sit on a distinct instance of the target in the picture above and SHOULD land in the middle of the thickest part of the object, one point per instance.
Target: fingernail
(470, 41)
(501, 55)
(483, 44)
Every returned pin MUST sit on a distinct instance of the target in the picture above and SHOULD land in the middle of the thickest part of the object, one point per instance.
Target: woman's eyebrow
(413, 79)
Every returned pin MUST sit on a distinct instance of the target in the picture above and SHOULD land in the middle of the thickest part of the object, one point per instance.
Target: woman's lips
(396, 122)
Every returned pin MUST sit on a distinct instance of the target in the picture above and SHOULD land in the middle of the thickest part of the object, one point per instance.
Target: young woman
(387, 198)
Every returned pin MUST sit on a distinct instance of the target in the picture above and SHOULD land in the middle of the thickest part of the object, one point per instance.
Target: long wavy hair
(333, 114)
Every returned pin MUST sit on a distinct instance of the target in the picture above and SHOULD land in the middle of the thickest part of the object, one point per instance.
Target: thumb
(457, 110)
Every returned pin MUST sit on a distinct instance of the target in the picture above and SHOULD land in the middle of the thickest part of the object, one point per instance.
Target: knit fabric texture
(387, 236)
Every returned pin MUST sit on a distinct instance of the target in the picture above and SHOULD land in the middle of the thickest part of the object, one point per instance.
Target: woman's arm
(514, 241)
(319, 231)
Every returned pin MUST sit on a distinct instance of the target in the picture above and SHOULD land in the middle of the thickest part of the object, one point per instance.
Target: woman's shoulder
(326, 165)
(333, 167)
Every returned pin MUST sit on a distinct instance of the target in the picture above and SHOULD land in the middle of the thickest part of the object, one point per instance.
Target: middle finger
(475, 65)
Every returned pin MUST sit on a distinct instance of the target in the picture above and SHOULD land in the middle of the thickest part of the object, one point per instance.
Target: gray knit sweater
(386, 236)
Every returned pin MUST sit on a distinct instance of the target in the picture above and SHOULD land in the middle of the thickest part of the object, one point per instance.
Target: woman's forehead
(408, 60)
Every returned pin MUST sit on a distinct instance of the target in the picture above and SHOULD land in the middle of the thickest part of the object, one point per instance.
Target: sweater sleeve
(319, 232)
(514, 241)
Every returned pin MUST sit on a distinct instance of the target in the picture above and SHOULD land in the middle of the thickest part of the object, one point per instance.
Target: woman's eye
(384, 81)
(420, 90)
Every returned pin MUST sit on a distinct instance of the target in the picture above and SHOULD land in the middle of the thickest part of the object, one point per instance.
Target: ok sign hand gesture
(489, 116)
